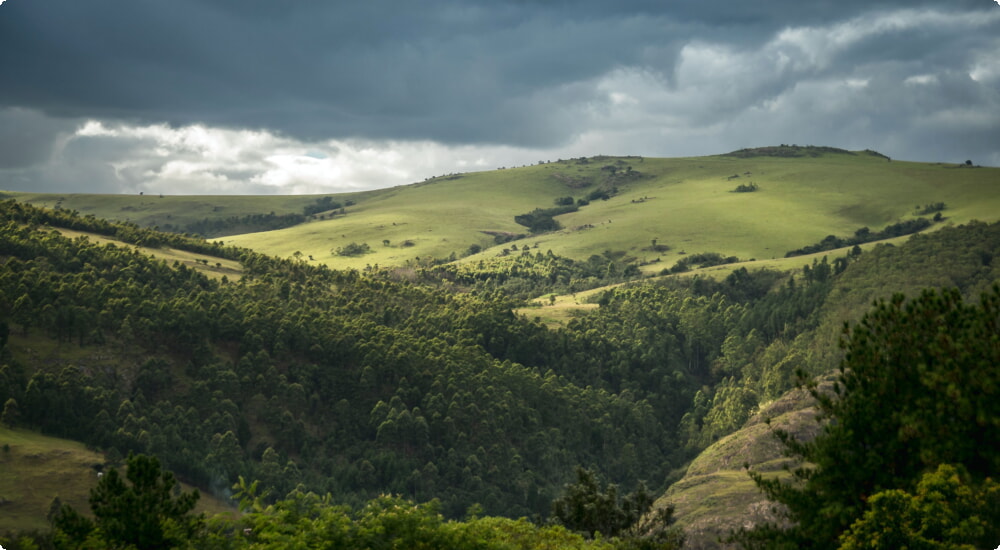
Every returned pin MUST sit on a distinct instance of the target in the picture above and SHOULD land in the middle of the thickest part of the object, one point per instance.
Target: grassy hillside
(688, 205)
(160, 210)
(35, 469)
(716, 495)
(210, 266)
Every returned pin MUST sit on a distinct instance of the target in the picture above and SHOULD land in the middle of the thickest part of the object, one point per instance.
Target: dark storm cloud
(446, 85)
(27, 137)
(455, 72)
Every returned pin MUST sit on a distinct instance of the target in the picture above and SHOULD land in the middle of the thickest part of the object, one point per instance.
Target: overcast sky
(268, 96)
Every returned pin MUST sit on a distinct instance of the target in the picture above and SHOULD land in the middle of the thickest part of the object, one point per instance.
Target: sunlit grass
(34, 469)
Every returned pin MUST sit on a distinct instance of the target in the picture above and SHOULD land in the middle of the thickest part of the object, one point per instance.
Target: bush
(354, 249)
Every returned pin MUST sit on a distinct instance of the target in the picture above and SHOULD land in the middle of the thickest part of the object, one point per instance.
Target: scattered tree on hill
(352, 249)
(11, 414)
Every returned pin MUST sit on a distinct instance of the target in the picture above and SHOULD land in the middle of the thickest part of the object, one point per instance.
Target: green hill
(435, 379)
(687, 205)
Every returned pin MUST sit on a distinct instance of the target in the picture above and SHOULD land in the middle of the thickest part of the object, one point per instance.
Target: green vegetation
(143, 513)
(589, 508)
(864, 235)
(684, 202)
(915, 394)
(541, 220)
(353, 249)
(475, 369)
(948, 511)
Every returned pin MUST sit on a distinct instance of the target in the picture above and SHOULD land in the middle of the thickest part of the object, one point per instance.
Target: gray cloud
(521, 79)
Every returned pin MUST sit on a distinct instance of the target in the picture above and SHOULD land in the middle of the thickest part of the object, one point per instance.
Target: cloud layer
(219, 96)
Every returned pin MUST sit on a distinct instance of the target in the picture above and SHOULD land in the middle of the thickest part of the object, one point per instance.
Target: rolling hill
(438, 383)
(685, 205)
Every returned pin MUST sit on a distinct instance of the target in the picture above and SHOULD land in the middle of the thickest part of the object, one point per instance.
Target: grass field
(211, 266)
(34, 469)
(687, 204)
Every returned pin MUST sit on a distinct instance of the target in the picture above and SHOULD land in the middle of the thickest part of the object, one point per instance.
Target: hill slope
(35, 469)
(716, 495)
(687, 205)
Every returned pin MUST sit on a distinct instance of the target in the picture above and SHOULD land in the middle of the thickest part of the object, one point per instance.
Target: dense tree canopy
(422, 381)
(918, 389)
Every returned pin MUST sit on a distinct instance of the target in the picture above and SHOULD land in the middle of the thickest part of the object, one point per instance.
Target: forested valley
(293, 381)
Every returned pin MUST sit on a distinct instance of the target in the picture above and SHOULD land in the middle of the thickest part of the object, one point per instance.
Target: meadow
(662, 210)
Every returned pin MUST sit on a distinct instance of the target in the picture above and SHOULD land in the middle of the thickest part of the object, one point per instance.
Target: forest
(326, 390)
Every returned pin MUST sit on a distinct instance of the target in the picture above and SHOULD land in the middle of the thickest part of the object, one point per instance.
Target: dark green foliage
(123, 231)
(541, 220)
(590, 507)
(234, 225)
(322, 204)
(600, 194)
(358, 384)
(746, 188)
(353, 249)
(528, 275)
(350, 384)
(865, 235)
(706, 259)
(564, 201)
(143, 513)
(917, 389)
(930, 208)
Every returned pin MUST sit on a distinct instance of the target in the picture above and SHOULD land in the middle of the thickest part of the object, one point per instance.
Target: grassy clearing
(34, 469)
(210, 266)
(566, 307)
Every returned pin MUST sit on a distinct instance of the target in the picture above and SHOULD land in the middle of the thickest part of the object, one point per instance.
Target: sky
(308, 96)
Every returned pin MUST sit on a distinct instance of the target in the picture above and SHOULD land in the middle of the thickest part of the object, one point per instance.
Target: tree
(589, 508)
(142, 514)
(11, 414)
(917, 389)
(946, 512)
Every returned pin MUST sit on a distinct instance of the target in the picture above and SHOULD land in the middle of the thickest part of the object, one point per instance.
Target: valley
(471, 339)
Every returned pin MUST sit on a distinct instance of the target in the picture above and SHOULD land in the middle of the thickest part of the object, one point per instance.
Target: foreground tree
(918, 388)
(945, 513)
(143, 513)
(589, 508)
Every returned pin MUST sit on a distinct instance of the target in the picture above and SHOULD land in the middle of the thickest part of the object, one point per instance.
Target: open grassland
(688, 205)
(156, 210)
(35, 469)
(211, 266)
